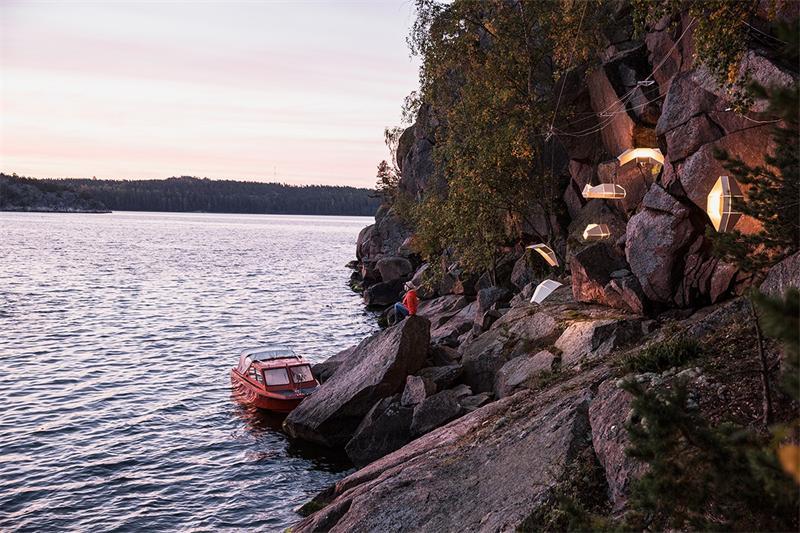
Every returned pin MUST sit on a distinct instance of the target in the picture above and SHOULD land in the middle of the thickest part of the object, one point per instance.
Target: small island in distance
(182, 194)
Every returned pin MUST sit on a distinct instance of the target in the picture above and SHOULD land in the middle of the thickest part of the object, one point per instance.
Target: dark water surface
(117, 334)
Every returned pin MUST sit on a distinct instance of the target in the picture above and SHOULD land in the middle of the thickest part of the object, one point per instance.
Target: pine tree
(702, 477)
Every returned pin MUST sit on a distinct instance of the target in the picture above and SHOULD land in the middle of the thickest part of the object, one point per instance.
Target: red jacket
(410, 301)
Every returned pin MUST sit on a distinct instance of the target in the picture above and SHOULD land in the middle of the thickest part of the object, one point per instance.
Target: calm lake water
(117, 335)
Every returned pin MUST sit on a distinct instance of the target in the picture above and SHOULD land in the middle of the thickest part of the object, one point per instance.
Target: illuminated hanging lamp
(719, 205)
(596, 232)
(543, 290)
(649, 156)
(605, 191)
(546, 252)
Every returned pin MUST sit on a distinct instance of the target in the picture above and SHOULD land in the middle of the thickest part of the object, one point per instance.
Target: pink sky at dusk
(297, 92)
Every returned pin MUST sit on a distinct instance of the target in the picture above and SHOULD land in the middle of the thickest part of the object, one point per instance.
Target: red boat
(272, 378)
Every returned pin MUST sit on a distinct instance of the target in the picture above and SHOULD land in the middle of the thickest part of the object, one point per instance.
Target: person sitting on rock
(409, 304)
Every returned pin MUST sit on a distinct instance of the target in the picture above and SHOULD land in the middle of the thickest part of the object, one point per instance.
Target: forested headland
(183, 194)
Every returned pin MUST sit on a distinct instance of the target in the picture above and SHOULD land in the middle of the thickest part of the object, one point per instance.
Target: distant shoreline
(46, 210)
(183, 195)
(108, 212)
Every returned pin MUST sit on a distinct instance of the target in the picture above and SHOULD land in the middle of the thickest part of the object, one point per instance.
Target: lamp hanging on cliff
(596, 232)
(543, 290)
(546, 252)
(720, 204)
(605, 191)
(648, 156)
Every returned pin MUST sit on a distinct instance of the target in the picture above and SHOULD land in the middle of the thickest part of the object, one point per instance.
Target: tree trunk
(765, 385)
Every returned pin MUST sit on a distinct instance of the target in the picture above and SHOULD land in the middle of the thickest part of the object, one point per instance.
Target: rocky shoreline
(483, 411)
(482, 436)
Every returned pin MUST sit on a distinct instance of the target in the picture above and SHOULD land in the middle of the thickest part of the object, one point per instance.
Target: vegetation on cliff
(188, 194)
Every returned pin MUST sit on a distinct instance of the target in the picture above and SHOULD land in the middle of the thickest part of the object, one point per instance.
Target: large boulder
(686, 139)
(384, 238)
(522, 372)
(376, 369)
(700, 171)
(608, 415)
(591, 271)
(581, 174)
(522, 273)
(685, 100)
(486, 471)
(635, 180)
(416, 390)
(519, 331)
(655, 243)
(394, 267)
(457, 325)
(488, 300)
(385, 428)
(592, 339)
(435, 411)
(324, 370)
(594, 212)
(442, 376)
(423, 282)
(439, 310)
(782, 276)
(383, 294)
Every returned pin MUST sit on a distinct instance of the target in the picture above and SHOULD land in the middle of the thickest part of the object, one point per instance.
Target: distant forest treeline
(184, 194)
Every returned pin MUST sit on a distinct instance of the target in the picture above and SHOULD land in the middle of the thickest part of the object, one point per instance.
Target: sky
(297, 92)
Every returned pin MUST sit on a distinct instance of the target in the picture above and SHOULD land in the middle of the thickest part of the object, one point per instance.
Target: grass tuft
(663, 355)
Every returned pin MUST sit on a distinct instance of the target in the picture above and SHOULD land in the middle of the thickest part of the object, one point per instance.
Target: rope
(564, 76)
(621, 101)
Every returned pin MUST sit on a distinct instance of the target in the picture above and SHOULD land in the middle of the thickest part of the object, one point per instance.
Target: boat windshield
(301, 373)
(276, 376)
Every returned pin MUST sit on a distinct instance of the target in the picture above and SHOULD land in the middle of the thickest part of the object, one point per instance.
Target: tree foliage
(721, 31)
(489, 71)
(702, 477)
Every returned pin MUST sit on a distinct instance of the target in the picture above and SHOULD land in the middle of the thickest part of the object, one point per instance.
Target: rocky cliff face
(510, 404)
(647, 92)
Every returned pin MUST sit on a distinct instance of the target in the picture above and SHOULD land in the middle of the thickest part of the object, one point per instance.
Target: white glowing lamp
(605, 191)
(720, 204)
(652, 156)
(546, 252)
(596, 232)
(543, 290)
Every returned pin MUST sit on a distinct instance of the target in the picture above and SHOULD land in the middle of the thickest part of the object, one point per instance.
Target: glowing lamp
(651, 156)
(606, 191)
(546, 252)
(543, 290)
(596, 232)
(720, 204)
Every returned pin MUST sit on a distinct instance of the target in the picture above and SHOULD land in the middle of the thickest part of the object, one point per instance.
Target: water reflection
(137, 319)
(268, 425)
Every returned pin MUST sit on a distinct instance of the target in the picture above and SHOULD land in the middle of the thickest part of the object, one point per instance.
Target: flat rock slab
(521, 371)
(486, 471)
(376, 369)
(591, 339)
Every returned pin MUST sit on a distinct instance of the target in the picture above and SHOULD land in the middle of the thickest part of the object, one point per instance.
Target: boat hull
(246, 393)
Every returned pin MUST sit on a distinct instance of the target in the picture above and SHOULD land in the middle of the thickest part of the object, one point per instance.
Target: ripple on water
(118, 335)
